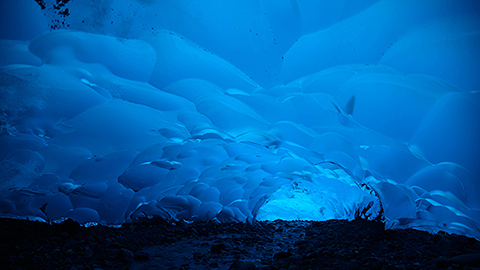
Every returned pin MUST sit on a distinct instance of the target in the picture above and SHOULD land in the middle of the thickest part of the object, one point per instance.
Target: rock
(458, 242)
(68, 261)
(442, 262)
(282, 255)
(108, 263)
(444, 245)
(126, 254)
(56, 239)
(310, 256)
(217, 248)
(141, 256)
(237, 265)
(247, 266)
(70, 225)
(468, 259)
(112, 253)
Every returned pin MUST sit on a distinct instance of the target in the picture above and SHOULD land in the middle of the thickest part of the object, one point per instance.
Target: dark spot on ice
(350, 105)
(41, 3)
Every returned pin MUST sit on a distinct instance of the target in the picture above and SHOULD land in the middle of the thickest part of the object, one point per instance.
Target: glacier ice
(242, 111)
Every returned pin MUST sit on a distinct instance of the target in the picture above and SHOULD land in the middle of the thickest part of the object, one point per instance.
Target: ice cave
(241, 111)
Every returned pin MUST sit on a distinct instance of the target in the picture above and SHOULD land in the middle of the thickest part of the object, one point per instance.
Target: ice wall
(241, 110)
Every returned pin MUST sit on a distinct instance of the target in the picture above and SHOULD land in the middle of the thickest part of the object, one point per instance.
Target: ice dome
(242, 111)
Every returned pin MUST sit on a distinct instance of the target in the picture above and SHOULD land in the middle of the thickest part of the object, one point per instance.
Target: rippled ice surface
(239, 111)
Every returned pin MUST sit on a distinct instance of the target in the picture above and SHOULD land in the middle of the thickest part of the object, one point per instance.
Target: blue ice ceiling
(242, 111)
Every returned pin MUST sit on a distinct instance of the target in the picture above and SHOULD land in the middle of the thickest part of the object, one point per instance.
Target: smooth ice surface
(242, 111)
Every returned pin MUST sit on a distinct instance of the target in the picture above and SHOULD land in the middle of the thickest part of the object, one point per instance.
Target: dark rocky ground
(157, 244)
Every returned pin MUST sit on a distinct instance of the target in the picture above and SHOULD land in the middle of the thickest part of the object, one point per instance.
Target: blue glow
(241, 110)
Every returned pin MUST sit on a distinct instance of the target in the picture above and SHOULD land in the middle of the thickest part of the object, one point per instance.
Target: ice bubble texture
(242, 111)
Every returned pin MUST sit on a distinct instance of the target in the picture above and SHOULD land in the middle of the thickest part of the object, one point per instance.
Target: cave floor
(158, 244)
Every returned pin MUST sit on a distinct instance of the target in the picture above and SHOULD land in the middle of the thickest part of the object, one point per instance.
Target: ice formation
(242, 111)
